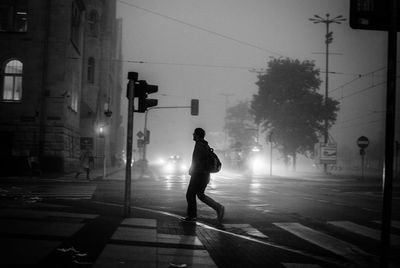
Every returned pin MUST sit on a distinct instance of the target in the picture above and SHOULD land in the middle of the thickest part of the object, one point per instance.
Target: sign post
(363, 143)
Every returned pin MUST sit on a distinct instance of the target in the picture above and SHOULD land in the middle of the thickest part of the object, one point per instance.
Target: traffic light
(147, 136)
(329, 38)
(142, 90)
(194, 107)
(132, 77)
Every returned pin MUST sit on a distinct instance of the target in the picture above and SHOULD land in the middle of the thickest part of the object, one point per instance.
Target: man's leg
(206, 199)
(220, 209)
(191, 199)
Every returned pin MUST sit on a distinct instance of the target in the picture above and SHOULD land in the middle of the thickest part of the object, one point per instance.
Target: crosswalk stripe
(250, 230)
(300, 265)
(322, 240)
(364, 231)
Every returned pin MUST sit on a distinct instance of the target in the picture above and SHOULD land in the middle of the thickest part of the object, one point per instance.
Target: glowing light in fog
(169, 167)
(258, 164)
(160, 161)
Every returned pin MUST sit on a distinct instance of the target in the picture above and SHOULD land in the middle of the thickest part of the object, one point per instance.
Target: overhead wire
(203, 29)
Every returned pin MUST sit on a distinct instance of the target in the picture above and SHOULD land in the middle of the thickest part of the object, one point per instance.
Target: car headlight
(169, 167)
(183, 167)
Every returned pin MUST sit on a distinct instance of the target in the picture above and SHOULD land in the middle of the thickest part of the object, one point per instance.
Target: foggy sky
(183, 41)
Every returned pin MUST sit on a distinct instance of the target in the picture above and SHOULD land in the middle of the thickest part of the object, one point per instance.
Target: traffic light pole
(129, 137)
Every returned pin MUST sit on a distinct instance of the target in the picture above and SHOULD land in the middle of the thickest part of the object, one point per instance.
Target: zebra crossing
(66, 192)
(39, 192)
(320, 238)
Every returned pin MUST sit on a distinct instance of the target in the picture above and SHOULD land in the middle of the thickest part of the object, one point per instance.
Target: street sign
(147, 137)
(86, 143)
(328, 153)
(363, 142)
(140, 143)
(140, 134)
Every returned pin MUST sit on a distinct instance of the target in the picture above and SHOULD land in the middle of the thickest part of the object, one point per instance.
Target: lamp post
(107, 113)
(328, 39)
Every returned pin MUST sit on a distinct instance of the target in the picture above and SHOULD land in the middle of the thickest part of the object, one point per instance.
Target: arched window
(93, 21)
(90, 70)
(12, 81)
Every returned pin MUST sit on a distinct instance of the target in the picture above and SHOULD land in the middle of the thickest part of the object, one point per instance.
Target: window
(90, 70)
(12, 81)
(93, 21)
(13, 15)
(76, 25)
(75, 88)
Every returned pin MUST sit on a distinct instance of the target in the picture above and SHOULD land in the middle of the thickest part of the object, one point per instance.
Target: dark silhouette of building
(60, 83)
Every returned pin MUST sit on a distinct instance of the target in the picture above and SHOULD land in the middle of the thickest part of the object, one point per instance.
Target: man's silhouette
(200, 177)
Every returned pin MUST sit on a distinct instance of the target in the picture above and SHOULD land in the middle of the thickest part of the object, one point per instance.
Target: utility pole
(328, 39)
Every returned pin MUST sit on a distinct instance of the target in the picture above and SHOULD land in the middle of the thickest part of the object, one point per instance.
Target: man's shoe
(189, 219)
(221, 213)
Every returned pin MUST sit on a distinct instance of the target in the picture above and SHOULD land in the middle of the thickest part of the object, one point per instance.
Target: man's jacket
(200, 158)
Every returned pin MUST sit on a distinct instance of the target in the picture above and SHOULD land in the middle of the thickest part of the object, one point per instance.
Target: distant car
(174, 165)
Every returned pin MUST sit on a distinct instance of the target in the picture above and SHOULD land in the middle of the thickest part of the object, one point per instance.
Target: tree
(240, 124)
(289, 106)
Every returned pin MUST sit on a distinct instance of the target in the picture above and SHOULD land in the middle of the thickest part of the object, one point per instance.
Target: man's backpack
(214, 165)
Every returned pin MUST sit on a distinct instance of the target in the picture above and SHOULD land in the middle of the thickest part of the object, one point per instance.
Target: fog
(208, 49)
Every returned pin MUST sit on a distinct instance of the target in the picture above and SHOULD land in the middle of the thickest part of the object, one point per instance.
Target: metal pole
(326, 83)
(270, 155)
(104, 157)
(362, 165)
(145, 133)
(129, 137)
(390, 131)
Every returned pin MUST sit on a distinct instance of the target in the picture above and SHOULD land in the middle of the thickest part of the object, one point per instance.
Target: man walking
(200, 177)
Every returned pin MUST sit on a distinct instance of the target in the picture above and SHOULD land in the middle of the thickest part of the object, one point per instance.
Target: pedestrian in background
(84, 164)
(199, 179)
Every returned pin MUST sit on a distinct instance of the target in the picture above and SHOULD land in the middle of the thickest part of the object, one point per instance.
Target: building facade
(60, 84)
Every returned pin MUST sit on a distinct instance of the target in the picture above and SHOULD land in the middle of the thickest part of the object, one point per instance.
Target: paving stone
(183, 252)
(135, 234)
(140, 222)
(179, 239)
(189, 260)
(122, 253)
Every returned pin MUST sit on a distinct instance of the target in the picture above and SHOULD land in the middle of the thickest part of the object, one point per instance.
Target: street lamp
(107, 113)
(328, 39)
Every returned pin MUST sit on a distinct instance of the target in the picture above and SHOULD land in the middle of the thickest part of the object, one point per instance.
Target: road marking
(364, 231)
(321, 258)
(322, 240)
(301, 265)
(250, 230)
